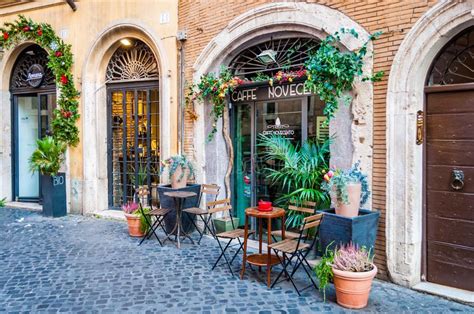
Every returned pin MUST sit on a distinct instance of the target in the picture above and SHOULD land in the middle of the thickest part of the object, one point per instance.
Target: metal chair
(206, 189)
(158, 215)
(306, 208)
(223, 206)
(292, 248)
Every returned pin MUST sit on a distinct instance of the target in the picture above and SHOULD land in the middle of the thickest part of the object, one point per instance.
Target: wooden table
(261, 259)
(179, 197)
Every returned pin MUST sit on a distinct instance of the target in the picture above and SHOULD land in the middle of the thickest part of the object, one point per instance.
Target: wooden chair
(206, 189)
(157, 215)
(306, 208)
(296, 248)
(223, 206)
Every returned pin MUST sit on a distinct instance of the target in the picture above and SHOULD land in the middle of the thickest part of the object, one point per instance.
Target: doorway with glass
(297, 118)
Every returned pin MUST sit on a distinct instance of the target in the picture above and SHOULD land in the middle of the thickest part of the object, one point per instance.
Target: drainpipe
(181, 96)
(72, 4)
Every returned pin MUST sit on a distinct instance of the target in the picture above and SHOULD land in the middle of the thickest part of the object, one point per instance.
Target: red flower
(58, 54)
(26, 28)
(66, 113)
(64, 79)
(5, 35)
(40, 32)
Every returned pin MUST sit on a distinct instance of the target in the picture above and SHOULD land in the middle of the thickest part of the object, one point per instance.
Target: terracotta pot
(352, 209)
(134, 225)
(352, 289)
(175, 182)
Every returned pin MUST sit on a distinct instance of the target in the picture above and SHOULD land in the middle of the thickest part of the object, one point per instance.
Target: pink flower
(330, 173)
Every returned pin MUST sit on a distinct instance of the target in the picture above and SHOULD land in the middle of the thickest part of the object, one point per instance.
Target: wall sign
(35, 75)
(270, 92)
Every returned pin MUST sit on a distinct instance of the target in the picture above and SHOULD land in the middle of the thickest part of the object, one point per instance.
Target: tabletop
(180, 194)
(274, 213)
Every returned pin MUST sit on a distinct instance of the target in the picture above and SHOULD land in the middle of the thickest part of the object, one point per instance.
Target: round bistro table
(262, 259)
(179, 197)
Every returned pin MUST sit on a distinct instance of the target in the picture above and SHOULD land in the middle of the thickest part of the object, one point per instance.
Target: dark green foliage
(48, 156)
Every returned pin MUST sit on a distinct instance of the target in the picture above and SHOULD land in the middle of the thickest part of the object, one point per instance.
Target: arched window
(133, 122)
(32, 59)
(455, 63)
(271, 56)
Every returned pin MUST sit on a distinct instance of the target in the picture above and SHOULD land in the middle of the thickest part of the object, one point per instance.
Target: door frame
(124, 87)
(14, 137)
(424, 241)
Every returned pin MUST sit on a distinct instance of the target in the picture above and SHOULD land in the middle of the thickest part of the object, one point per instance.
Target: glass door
(133, 142)
(32, 115)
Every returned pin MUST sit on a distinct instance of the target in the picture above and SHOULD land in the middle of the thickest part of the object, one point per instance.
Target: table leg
(283, 227)
(260, 236)
(269, 251)
(244, 260)
(178, 220)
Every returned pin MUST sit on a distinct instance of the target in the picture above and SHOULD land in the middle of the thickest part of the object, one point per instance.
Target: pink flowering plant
(130, 208)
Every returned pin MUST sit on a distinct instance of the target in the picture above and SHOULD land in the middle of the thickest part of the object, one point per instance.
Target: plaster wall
(92, 30)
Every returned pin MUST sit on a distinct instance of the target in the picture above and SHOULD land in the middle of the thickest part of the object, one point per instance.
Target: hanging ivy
(331, 72)
(60, 60)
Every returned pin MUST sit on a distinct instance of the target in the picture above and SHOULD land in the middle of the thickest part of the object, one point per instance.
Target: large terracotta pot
(134, 225)
(352, 289)
(352, 209)
(175, 182)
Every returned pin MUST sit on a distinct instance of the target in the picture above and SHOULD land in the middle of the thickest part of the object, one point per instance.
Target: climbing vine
(60, 60)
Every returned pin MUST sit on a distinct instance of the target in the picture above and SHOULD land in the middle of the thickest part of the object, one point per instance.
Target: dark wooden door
(450, 211)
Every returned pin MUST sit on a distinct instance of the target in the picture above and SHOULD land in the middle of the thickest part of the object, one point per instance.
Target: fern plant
(48, 156)
(300, 171)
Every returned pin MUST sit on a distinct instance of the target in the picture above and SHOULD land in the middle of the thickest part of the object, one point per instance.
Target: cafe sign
(35, 75)
(270, 92)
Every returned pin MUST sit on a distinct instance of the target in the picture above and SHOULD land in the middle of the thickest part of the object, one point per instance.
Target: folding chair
(158, 214)
(292, 248)
(305, 208)
(223, 206)
(206, 189)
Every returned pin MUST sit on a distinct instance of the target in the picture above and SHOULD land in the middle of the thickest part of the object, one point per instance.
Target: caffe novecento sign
(35, 75)
(268, 92)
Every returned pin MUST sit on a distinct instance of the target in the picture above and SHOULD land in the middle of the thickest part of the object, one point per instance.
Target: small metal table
(261, 259)
(179, 197)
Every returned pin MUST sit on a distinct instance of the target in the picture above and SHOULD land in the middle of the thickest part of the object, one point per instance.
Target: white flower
(54, 46)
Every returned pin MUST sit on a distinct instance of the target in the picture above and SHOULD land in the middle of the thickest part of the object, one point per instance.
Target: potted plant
(223, 224)
(47, 159)
(180, 169)
(349, 189)
(137, 226)
(352, 270)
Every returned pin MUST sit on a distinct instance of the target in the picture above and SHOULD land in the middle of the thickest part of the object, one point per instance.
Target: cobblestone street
(84, 264)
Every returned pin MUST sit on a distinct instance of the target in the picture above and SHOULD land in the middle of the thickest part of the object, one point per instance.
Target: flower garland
(60, 60)
(328, 72)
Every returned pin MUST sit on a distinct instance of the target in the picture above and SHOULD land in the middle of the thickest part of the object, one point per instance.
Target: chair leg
(194, 224)
(302, 260)
(285, 265)
(206, 226)
(150, 229)
(241, 246)
(223, 255)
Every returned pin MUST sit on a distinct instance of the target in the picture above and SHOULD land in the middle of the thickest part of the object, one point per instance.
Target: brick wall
(205, 19)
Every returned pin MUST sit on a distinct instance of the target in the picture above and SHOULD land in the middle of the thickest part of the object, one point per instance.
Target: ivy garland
(60, 60)
(329, 72)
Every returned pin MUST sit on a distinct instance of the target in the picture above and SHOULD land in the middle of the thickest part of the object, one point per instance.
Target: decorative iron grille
(132, 63)
(455, 63)
(288, 54)
(28, 57)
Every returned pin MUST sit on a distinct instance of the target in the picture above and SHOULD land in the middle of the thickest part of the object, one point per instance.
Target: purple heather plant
(352, 258)
(130, 207)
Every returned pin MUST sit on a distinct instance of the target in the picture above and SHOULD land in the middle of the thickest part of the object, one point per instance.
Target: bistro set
(290, 251)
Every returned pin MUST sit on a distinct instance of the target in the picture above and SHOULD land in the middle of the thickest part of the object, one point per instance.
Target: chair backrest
(306, 207)
(219, 206)
(209, 189)
(309, 223)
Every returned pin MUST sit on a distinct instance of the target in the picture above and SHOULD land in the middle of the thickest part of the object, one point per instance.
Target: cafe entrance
(295, 118)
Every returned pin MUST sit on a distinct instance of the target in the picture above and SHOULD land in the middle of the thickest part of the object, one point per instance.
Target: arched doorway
(285, 109)
(449, 165)
(133, 121)
(33, 90)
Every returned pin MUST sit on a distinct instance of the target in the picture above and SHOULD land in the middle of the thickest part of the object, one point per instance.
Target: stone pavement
(84, 264)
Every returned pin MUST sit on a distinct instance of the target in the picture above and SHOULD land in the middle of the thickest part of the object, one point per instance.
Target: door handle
(457, 182)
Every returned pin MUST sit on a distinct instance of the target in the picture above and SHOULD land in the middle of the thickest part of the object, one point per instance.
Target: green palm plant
(48, 156)
(299, 171)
